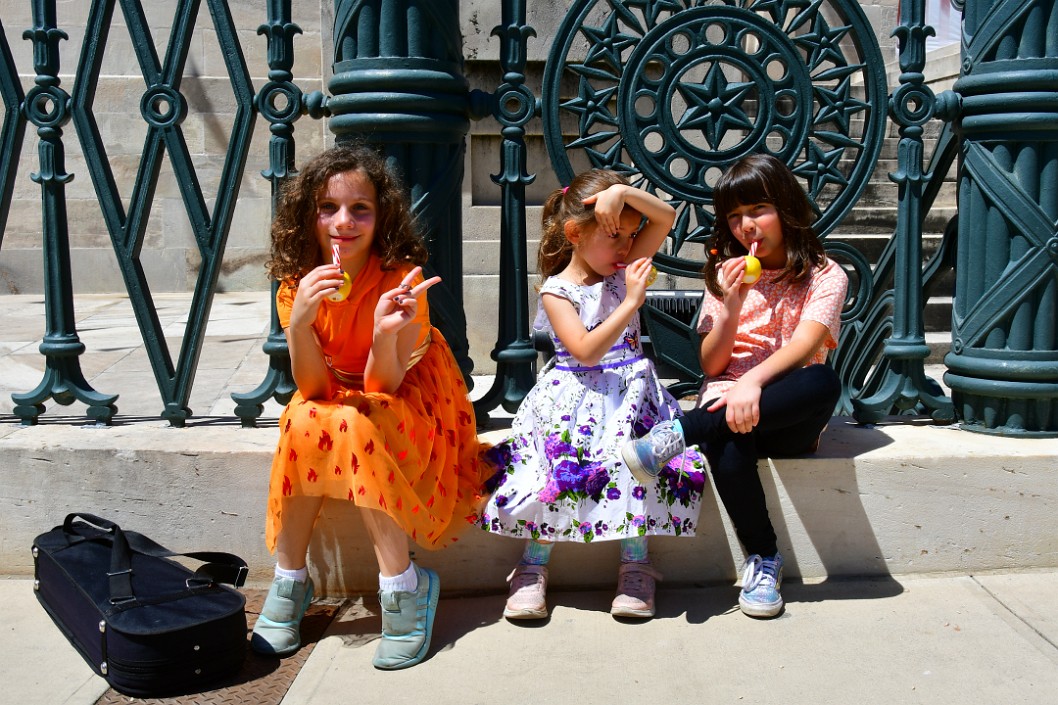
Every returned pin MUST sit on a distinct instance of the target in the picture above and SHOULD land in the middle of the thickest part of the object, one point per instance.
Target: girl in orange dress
(381, 417)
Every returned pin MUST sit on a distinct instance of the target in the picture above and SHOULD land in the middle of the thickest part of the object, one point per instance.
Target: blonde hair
(567, 204)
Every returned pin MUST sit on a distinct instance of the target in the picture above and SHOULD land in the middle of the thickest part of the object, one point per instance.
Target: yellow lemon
(752, 272)
(344, 289)
(652, 276)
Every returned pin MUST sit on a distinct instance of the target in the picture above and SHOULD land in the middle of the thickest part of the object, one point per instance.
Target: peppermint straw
(753, 248)
(337, 256)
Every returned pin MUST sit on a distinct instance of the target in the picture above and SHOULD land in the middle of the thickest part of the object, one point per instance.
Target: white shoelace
(755, 571)
(526, 580)
(666, 442)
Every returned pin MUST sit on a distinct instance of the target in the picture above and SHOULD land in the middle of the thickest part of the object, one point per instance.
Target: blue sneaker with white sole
(407, 622)
(761, 577)
(278, 628)
(646, 456)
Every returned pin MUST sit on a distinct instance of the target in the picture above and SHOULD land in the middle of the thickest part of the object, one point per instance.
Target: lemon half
(344, 289)
(752, 272)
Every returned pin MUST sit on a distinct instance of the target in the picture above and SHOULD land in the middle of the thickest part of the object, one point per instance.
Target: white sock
(407, 581)
(301, 574)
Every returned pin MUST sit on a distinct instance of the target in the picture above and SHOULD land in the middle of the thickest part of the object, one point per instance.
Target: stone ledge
(898, 498)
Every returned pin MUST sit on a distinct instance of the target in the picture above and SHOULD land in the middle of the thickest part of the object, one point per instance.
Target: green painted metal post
(47, 106)
(513, 105)
(1003, 364)
(904, 384)
(281, 103)
(398, 82)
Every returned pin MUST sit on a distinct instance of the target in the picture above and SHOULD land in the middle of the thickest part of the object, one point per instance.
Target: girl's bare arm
(609, 204)
(714, 353)
(307, 365)
(808, 337)
(743, 398)
(588, 347)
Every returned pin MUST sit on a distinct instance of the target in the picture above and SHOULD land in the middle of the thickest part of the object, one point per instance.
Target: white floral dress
(561, 477)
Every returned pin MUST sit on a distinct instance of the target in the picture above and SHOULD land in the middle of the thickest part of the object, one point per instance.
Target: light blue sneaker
(761, 578)
(407, 622)
(278, 628)
(646, 456)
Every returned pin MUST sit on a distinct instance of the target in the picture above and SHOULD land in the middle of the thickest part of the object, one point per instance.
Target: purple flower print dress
(561, 477)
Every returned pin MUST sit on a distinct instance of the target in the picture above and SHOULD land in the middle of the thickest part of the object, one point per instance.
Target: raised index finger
(421, 287)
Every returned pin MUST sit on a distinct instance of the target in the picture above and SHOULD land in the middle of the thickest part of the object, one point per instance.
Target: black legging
(793, 412)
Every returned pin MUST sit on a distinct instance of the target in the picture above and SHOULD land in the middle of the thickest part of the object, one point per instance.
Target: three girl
(380, 417)
(764, 344)
(561, 476)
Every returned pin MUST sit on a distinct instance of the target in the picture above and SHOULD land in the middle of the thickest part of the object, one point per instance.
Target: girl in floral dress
(380, 417)
(561, 476)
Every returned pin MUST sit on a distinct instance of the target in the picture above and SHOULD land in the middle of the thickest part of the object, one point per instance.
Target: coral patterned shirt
(769, 317)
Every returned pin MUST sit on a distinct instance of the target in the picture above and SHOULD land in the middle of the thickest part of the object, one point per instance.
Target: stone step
(883, 217)
(902, 497)
(871, 244)
(885, 193)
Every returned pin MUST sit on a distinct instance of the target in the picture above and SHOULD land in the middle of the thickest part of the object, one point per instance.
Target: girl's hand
(313, 288)
(636, 275)
(609, 204)
(743, 406)
(730, 279)
(396, 308)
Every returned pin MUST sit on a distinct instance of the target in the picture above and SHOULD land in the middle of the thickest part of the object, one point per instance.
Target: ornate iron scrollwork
(673, 92)
(164, 108)
(12, 130)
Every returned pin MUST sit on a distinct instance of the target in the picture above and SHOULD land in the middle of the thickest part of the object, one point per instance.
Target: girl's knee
(824, 381)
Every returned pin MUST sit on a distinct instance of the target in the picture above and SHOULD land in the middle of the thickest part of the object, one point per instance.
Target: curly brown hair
(761, 178)
(295, 250)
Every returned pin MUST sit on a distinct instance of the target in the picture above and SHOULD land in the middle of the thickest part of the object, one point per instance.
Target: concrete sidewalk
(952, 640)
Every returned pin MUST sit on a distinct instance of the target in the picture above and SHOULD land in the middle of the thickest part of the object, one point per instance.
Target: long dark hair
(761, 178)
(295, 250)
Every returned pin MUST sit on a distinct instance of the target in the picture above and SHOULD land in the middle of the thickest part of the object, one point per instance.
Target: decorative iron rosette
(671, 92)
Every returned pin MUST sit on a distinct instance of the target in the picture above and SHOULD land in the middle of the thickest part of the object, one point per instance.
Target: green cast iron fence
(668, 91)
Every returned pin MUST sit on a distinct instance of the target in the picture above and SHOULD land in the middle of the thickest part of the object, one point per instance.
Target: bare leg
(389, 541)
(299, 518)
(278, 629)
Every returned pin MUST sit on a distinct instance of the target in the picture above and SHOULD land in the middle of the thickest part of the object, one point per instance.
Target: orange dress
(413, 454)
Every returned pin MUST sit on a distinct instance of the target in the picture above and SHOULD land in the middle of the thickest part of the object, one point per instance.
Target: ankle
(298, 574)
(536, 553)
(634, 550)
(408, 581)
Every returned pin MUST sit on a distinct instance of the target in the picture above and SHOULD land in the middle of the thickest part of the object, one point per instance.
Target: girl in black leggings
(770, 314)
